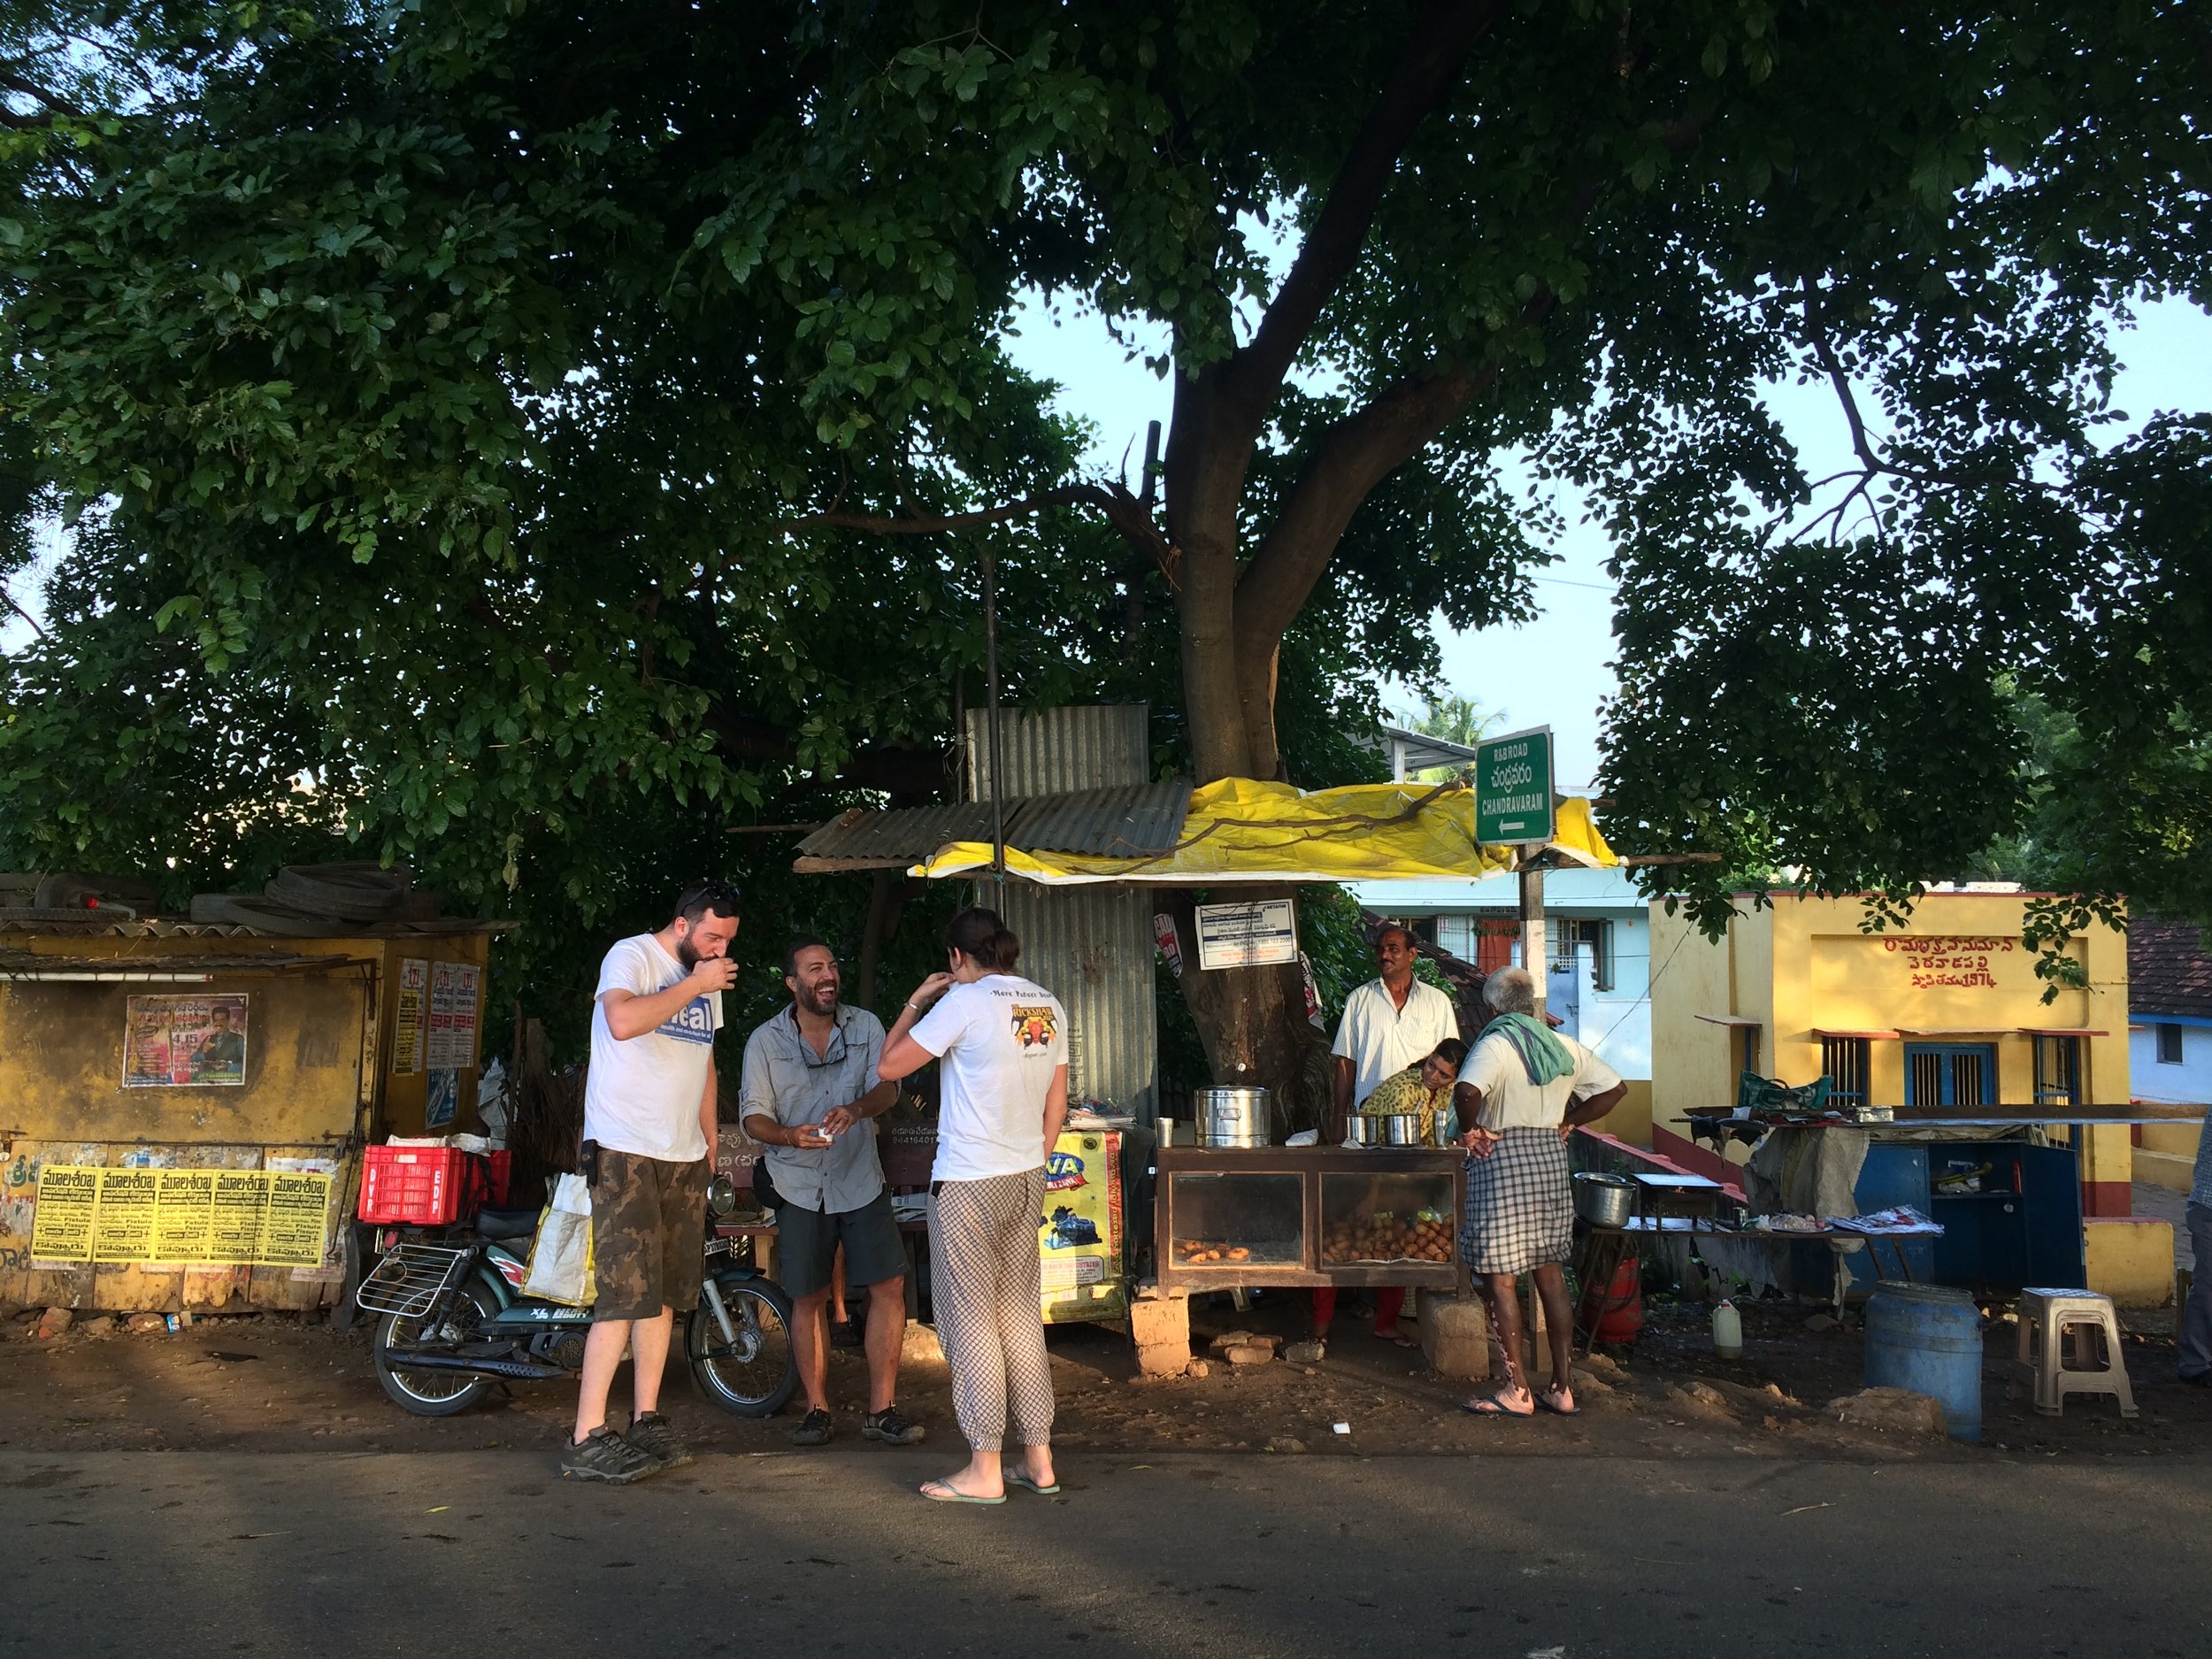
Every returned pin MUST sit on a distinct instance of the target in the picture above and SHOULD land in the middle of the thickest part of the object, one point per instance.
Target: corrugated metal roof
(1128, 821)
(27, 964)
(863, 840)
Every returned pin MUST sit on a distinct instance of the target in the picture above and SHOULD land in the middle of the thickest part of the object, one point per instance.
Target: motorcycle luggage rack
(407, 1279)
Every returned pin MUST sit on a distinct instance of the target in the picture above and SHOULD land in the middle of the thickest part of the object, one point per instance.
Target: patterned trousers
(984, 1283)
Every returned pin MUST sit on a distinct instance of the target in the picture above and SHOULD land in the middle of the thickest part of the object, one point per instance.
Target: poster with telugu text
(451, 1042)
(407, 1019)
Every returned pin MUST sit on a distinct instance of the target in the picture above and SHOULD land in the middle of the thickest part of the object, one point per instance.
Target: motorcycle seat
(506, 1224)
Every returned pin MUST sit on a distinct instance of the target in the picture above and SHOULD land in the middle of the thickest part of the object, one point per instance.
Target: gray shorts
(807, 1241)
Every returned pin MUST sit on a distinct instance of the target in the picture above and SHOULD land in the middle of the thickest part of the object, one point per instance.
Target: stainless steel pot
(1232, 1117)
(1604, 1201)
(1359, 1131)
(1400, 1129)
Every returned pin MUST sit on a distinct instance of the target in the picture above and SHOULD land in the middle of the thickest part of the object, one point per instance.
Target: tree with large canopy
(562, 420)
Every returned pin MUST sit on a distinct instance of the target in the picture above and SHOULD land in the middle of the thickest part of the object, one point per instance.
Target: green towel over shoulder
(1543, 1055)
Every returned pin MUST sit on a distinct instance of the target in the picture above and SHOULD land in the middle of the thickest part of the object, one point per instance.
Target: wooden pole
(1535, 955)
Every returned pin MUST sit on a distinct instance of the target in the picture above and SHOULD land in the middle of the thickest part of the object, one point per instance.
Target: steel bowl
(1604, 1201)
(1399, 1129)
(1359, 1130)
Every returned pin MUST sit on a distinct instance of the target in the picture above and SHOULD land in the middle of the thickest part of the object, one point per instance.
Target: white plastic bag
(560, 1257)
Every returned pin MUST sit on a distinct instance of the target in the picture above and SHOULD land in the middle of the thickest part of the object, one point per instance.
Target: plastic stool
(2044, 1318)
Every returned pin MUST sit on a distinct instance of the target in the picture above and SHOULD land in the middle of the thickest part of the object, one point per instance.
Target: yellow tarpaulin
(1243, 830)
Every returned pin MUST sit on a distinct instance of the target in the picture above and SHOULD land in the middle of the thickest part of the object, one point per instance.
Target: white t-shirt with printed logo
(642, 1094)
(998, 1041)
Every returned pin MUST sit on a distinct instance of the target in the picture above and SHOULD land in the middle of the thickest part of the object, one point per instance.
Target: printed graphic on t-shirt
(693, 1022)
(1035, 1025)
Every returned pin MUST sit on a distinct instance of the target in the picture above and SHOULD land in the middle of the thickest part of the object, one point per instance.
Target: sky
(1554, 669)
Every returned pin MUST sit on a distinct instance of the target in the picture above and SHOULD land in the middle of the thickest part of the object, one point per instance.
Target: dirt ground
(275, 1383)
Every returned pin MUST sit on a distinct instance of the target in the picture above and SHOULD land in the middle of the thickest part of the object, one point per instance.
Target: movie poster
(185, 1041)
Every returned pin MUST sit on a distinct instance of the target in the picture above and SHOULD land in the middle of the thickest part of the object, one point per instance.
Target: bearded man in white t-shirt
(650, 1123)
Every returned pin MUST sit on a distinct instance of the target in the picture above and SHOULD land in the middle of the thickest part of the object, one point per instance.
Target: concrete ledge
(2171, 1169)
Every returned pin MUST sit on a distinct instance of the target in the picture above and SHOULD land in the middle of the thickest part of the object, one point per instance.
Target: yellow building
(1943, 1011)
(161, 1076)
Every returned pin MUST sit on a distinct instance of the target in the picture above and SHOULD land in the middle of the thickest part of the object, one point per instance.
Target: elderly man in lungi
(1521, 1092)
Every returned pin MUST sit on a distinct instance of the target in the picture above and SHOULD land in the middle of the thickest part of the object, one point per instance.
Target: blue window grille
(1962, 1074)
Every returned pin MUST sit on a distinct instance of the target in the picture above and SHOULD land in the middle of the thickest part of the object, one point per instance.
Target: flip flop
(1493, 1407)
(1027, 1485)
(1548, 1403)
(944, 1493)
(1398, 1337)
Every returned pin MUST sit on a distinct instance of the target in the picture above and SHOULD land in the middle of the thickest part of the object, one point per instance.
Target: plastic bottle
(1727, 1330)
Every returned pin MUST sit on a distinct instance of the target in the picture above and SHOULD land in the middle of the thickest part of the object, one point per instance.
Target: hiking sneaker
(846, 1334)
(648, 1432)
(891, 1429)
(602, 1455)
(813, 1430)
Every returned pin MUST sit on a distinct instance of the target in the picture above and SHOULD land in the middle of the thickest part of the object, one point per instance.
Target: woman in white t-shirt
(1002, 1093)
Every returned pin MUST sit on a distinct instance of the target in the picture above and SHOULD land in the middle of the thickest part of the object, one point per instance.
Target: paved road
(240, 1554)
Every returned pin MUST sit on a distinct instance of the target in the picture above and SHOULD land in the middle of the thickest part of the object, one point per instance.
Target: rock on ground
(1699, 1396)
(1889, 1410)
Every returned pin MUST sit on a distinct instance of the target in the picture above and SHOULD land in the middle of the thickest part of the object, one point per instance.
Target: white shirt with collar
(1380, 1038)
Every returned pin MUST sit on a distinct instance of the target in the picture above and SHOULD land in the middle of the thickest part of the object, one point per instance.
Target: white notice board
(1246, 935)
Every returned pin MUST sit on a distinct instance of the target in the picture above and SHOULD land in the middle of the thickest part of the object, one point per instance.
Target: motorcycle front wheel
(753, 1376)
(431, 1393)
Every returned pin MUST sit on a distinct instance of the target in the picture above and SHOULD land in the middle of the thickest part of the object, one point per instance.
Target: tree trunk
(1253, 1023)
(1212, 701)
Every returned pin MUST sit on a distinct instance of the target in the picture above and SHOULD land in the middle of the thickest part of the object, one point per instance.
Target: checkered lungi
(1520, 1204)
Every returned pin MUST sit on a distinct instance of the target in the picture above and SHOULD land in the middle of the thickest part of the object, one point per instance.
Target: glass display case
(1227, 1219)
(1267, 1216)
(1378, 1218)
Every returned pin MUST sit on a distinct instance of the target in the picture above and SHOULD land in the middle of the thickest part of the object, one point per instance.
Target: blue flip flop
(1492, 1407)
(946, 1495)
(1027, 1485)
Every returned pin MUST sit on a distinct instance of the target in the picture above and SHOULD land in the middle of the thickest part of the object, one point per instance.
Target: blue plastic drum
(1928, 1337)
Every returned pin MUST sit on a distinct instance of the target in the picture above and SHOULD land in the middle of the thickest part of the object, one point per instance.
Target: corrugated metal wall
(1048, 752)
(1092, 947)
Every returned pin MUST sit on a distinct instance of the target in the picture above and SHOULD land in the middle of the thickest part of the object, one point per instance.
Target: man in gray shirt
(810, 1087)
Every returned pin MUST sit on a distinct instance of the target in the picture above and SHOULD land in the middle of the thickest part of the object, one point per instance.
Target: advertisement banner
(1079, 1235)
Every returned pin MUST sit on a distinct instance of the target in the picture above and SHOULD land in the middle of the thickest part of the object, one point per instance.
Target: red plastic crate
(428, 1186)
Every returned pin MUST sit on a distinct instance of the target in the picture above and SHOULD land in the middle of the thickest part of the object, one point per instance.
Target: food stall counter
(1309, 1215)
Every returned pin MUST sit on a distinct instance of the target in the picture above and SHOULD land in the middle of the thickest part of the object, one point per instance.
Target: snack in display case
(1424, 1236)
(1386, 1218)
(1236, 1220)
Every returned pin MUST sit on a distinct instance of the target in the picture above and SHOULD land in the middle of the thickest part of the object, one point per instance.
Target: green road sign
(1513, 787)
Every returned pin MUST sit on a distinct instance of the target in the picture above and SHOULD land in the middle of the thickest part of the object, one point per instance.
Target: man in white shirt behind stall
(1389, 1024)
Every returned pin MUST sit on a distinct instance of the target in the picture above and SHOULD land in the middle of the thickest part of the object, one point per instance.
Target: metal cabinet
(2021, 1227)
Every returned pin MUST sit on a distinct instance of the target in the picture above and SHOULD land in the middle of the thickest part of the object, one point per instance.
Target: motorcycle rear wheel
(431, 1393)
(755, 1377)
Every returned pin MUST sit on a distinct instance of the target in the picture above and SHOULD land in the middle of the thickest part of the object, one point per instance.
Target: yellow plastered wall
(1805, 965)
(316, 1081)
(1691, 1064)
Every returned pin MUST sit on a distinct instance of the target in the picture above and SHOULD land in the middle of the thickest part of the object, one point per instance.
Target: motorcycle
(452, 1321)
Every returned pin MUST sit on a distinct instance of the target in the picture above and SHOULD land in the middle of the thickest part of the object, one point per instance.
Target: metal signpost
(1514, 807)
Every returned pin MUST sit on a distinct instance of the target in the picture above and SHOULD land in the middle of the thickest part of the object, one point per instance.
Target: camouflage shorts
(648, 1234)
